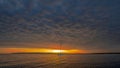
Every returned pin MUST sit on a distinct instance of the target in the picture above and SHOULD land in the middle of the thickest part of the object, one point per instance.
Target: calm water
(56, 61)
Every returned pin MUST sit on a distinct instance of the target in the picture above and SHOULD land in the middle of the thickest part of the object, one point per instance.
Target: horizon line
(60, 53)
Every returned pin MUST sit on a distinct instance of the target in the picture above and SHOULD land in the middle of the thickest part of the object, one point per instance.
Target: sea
(60, 61)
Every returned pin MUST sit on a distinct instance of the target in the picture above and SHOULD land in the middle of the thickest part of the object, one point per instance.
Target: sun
(58, 51)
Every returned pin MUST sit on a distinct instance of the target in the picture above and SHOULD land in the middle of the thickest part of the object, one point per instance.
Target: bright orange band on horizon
(39, 50)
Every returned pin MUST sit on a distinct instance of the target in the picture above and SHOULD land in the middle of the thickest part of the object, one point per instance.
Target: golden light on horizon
(39, 50)
(58, 51)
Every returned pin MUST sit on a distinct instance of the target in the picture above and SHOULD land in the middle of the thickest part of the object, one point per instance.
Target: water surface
(60, 61)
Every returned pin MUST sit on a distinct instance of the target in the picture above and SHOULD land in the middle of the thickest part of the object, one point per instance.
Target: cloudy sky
(92, 25)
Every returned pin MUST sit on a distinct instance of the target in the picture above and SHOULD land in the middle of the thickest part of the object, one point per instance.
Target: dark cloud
(82, 24)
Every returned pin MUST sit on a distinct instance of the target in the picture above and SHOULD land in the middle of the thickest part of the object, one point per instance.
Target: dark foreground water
(63, 61)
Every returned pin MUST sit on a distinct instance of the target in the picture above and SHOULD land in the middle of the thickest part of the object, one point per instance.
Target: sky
(92, 25)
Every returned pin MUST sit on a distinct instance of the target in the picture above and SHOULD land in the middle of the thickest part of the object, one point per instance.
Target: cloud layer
(82, 24)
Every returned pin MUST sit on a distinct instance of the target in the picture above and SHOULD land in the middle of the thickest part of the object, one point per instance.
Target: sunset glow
(59, 51)
(38, 50)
